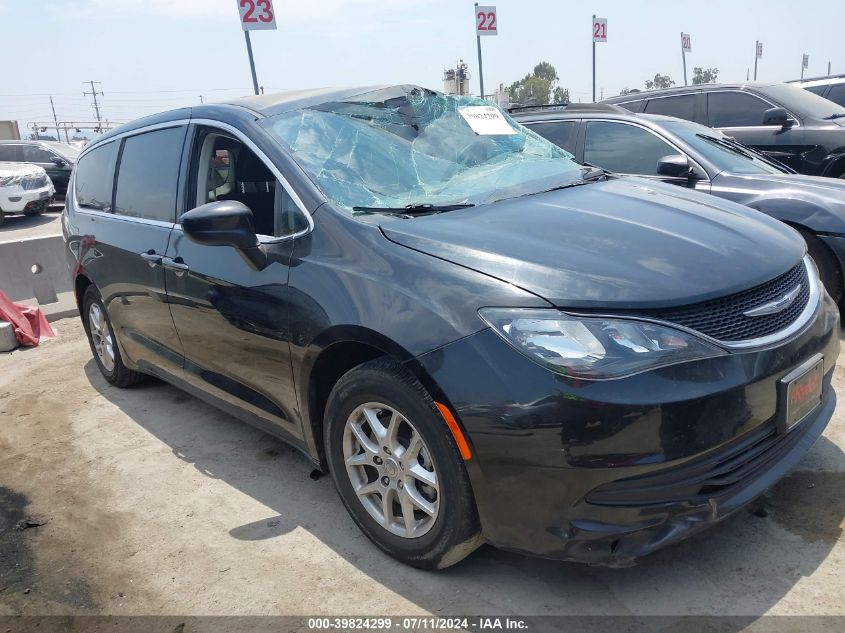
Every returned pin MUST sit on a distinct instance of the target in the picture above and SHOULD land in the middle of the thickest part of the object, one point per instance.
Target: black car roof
(645, 94)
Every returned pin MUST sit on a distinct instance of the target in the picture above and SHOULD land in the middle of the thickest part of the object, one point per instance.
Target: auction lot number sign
(257, 15)
(599, 29)
(485, 21)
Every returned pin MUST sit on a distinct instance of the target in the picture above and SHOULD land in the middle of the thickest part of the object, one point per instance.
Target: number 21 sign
(257, 15)
(599, 29)
(485, 21)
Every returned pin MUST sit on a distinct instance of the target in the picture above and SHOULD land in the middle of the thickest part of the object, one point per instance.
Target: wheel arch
(332, 354)
(80, 285)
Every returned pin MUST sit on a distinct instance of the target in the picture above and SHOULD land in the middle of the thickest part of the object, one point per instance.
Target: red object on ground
(30, 323)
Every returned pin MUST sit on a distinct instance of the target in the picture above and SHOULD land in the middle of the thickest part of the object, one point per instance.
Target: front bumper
(17, 200)
(554, 458)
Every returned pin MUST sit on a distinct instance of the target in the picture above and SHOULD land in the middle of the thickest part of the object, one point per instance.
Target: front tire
(397, 468)
(103, 343)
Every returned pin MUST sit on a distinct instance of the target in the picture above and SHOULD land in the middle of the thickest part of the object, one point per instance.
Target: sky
(154, 55)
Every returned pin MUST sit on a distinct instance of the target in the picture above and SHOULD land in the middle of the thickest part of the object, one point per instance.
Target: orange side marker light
(460, 440)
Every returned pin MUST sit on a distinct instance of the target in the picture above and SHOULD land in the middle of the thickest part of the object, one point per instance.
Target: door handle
(151, 257)
(177, 264)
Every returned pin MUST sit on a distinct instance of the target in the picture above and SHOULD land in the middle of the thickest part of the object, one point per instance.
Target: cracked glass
(407, 146)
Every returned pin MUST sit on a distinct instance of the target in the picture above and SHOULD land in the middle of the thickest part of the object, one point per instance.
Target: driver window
(226, 169)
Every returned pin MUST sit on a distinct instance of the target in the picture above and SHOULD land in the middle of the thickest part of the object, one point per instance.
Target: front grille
(723, 319)
(714, 477)
(33, 182)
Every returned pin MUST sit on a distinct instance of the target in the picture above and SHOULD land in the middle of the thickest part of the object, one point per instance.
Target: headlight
(8, 181)
(596, 348)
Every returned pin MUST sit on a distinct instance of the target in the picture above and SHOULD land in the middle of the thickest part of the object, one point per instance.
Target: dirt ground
(155, 503)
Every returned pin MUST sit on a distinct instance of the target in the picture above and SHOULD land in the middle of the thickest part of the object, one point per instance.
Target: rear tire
(829, 269)
(429, 519)
(103, 343)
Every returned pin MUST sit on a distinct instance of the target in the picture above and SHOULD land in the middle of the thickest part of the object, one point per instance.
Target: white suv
(24, 189)
(831, 88)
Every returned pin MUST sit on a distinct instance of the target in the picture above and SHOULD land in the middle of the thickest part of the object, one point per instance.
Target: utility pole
(94, 93)
(56, 121)
(758, 52)
(201, 101)
(480, 71)
(828, 69)
(594, 62)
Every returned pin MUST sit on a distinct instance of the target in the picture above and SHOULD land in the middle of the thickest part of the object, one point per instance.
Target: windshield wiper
(412, 210)
(733, 146)
(838, 115)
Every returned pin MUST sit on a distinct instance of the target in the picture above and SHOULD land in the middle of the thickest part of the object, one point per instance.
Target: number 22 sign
(485, 21)
(257, 15)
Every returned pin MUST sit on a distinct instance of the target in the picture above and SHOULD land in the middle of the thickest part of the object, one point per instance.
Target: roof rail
(571, 107)
(793, 81)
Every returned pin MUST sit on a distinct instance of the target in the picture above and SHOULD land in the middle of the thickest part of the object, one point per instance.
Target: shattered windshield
(405, 145)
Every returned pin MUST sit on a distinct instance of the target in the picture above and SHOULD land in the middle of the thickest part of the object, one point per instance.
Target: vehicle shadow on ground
(744, 566)
(15, 222)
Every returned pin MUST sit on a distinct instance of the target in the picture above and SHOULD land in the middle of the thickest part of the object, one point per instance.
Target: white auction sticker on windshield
(486, 120)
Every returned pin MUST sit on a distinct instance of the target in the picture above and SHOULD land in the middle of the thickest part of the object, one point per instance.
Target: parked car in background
(831, 88)
(480, 338)
(24, 189)
(692, 156)
(57, 159)
(789, 124)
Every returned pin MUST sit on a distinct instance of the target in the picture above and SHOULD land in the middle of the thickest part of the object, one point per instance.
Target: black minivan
(481, 339)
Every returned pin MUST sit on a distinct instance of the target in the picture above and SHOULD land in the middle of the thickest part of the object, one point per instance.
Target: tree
(659, 81)
(704, 75)
(538, 87)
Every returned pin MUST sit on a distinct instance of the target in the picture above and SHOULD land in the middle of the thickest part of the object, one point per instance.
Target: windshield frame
(394, 138)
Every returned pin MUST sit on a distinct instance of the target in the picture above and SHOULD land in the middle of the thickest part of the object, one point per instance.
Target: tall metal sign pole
(758, 54)
(599, 35)
(805, 64)
(256, 15)
(686, 47)
(486, 23)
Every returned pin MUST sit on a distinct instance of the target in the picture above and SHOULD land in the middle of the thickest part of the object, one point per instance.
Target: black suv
(57, 159)
(790, 124)
(690, 155)
(480, 339)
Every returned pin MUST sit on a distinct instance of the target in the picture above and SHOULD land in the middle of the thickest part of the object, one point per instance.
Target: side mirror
(58, 162)
(778, 116)
(674, 166)
(225, 223)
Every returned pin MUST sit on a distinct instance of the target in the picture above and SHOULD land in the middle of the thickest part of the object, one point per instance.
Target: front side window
(837, 94)
(406, 145)
(623, 148)
(735, 109)
(561, 133)
(682, 106)
(34, 154)
(148, 174)
(226, 169)
(94, 177)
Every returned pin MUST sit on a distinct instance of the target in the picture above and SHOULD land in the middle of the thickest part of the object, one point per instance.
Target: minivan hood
(622, 243)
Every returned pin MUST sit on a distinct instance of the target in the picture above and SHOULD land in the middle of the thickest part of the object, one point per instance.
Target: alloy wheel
(391, 470)
(101, 336)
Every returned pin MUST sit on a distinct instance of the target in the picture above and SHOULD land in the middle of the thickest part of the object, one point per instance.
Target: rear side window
(561, 133)
(819, 90)
(149, 174)
(626, 149)
(682, 106)
(837, 94)
(9, 153)
(735, 109)
(94, 177)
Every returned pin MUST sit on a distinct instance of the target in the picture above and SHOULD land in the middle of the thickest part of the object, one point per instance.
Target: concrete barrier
(34, 271)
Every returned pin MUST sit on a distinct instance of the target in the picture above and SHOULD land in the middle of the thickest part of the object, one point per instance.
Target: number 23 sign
(257, 15)
(485, 21)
